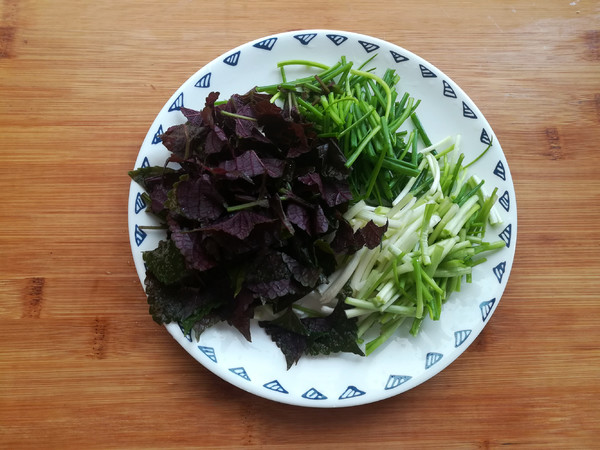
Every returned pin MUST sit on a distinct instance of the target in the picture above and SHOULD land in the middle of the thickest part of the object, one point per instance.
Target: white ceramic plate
(405, 361)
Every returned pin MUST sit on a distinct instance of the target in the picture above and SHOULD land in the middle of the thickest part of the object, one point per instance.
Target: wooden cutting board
(81, 363)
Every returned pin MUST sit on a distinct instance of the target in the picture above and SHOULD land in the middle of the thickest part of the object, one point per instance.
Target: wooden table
(82, 365)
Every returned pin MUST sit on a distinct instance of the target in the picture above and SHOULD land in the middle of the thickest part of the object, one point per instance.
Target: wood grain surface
(82, 365)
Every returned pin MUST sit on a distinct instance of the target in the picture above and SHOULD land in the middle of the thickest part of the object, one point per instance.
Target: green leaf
(313, 335)
(190, 302)
(291, 322)
(289, 334)
(332, 334)
(166, 262)
(143, 173)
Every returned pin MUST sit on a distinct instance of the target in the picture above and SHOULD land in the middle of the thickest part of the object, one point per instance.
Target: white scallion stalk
(435, 169)
(419, 262)
(464, 213)
(334, 288)
(443, 143)
(355, 209)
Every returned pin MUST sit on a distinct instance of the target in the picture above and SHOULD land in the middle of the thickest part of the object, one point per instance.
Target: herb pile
(254, 216)
(436, 215)
(321, 218)
(365, 114)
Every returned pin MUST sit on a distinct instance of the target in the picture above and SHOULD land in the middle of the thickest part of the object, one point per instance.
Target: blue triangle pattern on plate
(209, 352)
(468, 112)
(505, 201)
(398, 57)
(204, 81)
(241, 372)
(448, 91)
(313, 394)
(426, 73)
(140, 235)
(145, 162)
(486, 308)
(432, 358)
(232, 59)
(275, 386)
(396, 380)
(351, 392)
(305, 38)
(499, 171)
(368, 46)
(188, 336)
(485, 138)
(177, 104)
(266, 44)
(156, 139)
(337, 39)
(140, 204)
(499, 271)
(506, 234)
(460, 337)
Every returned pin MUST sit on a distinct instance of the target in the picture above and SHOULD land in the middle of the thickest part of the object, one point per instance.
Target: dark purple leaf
(298, 150)
(299, 216)
(333, 161)
(347, 240)
(271, 290)
(274, 167)
(307, 276)
(158, 188)
(269, 276)
(243, 311)
(183, 140)
(277, 208)
(190, 246)
(267, 265)
(198, 199)
(216, 141)
(373, 234)
(267, 112)
(284, 133)
(253, 97)
(313, 180)
(240, 224)
(224, 247)
(158, 195)
(211, 99)
(332, 191)
(320, 222)
(245, 127)
(258, 137)
(207, 112)
(247, 165)
(336, 192)
(193, 116)
(313, 221)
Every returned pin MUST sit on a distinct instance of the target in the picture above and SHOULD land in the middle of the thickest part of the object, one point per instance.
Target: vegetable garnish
(328, 219)
(253, 214)
(364, 113)
(434, 239)
(436, 216)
